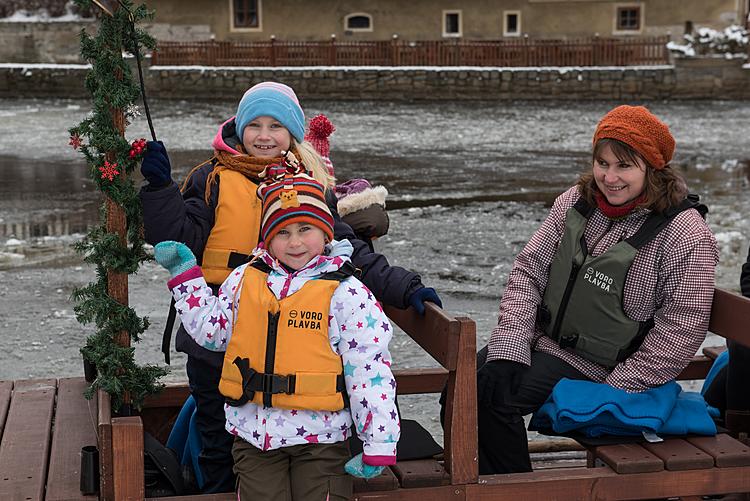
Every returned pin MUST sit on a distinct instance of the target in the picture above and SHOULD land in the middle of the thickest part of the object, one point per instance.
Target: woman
(614, 287)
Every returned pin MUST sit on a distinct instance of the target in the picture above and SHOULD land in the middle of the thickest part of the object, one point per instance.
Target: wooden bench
(450, 341)
(44, 425)
(688, 467)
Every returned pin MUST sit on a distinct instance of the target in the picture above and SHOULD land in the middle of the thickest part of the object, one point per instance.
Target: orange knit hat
(641, 130)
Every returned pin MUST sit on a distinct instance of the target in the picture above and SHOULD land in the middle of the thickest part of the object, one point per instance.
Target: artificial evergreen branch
(107, 154)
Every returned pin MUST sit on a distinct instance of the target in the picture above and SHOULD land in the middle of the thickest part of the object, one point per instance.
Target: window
(512, 23)
(245, 15)
(628, 18)
(358, 22)
(451, 23)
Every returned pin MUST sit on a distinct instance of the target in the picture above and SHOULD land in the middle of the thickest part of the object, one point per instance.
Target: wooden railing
(450, 341)
(594, 51)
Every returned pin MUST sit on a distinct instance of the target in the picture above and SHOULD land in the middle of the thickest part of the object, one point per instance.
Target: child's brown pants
(312, 472)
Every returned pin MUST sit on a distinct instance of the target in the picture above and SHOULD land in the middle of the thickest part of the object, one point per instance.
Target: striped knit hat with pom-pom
(317, 135)
(295, 197)
(641, 130)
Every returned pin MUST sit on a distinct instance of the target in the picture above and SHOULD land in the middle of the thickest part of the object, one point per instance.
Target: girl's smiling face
(620, 180)
(297, 243)
(265, 137)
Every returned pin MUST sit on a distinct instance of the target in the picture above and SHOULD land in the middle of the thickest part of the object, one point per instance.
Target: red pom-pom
(320, 127)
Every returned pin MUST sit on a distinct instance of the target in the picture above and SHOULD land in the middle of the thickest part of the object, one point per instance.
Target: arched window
(358, 21)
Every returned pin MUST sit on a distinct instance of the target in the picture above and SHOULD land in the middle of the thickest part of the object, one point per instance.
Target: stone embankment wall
(686, 79)
(51, 42)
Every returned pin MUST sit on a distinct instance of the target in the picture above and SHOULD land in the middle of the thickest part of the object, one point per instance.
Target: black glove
(155, 165)
(497, 379)
(420, 296)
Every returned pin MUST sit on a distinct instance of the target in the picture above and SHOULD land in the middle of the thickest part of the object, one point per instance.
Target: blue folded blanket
(596, 409)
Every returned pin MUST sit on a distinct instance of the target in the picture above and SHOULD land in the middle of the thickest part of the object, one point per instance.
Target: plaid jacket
(671, 280)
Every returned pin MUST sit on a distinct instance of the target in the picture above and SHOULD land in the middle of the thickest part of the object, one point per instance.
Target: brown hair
(663, 188)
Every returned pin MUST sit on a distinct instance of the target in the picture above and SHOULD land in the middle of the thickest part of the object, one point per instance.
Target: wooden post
(394, 51)
(127, 458)
(104, 420)
(332, 51)
(117, 282)
(272, 55)
(595, 49)
(461, 435)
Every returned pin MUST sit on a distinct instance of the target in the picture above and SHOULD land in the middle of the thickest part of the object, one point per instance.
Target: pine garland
(107, 154)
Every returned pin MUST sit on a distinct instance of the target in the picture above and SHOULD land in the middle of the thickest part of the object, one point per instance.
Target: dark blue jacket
(185, 217)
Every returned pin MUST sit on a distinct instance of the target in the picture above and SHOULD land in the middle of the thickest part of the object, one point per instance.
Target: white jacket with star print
(359, 332)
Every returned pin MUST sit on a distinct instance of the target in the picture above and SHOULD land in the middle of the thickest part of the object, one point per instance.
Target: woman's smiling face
(620, 180)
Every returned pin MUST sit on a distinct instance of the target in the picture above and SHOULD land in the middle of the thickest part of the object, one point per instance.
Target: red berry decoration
(109, 170)
(137, 147)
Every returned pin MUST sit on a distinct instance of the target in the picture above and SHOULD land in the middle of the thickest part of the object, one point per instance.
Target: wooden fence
(517, 52)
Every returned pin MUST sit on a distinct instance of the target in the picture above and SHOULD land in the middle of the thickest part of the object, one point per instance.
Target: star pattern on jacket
(358, 331)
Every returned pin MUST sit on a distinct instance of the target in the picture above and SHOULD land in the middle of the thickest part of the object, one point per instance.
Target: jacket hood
(335, 255)
(361, 200)
(226, 138)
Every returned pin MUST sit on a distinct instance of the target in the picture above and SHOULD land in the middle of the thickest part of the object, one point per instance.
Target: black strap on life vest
(583, 207)
(658, 220)
(261, 266)
(268, 384)
(166, 337)
(236, 259)
(655, 222)
(345, 271)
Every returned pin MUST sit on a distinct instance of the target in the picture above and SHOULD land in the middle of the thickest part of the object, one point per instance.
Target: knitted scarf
(253, 168)
(617, 211)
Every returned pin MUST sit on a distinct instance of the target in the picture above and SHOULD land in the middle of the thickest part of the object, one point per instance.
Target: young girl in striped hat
(305, 351)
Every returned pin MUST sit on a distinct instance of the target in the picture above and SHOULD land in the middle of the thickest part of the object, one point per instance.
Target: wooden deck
(44, 424)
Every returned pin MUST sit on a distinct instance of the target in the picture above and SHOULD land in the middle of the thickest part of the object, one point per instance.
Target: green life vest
(582, 305)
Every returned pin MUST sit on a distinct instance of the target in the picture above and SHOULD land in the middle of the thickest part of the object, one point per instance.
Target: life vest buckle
(274, 384)
(543, 316)
(568, 341)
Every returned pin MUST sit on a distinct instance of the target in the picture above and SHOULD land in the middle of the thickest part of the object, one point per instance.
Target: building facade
(306, 20)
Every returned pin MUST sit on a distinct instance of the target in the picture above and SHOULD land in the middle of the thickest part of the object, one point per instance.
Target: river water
(468, 182)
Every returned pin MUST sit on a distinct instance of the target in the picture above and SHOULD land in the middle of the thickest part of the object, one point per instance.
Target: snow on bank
(43, 16)
(45, 66)
(559, 69)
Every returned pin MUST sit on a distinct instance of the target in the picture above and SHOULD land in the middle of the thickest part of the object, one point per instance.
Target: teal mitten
(176, 257)
(356, 468)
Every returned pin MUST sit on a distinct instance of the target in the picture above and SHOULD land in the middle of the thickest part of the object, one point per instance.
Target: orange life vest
(236, 227)
(284, 346)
